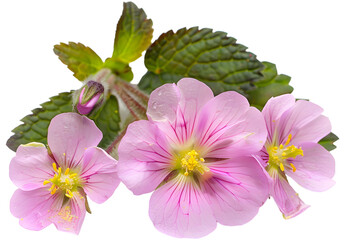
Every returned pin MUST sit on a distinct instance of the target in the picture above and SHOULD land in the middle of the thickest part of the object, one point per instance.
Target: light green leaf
(133, 34)
(270, 85)
(81, 60)
(208, 56)
(35, 125)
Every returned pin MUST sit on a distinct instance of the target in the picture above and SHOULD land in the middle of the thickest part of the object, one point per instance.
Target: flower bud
(91, 95)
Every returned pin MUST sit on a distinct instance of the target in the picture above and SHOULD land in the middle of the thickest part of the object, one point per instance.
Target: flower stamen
(192, 162)
(278, 156)
(67, 181)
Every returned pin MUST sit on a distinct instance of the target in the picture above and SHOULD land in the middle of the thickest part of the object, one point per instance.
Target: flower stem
(134, 99)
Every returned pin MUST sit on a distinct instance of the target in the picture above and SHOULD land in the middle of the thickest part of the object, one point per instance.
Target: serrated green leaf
(81, 60)
(270, 85)
(35, 125)
(328, 141)
(107, 119)
(133, 34)
(208, 56)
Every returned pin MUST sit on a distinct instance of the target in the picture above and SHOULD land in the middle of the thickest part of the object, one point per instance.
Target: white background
(306, 39)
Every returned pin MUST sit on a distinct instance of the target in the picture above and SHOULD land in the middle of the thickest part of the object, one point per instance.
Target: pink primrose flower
(53, 183)
(292, 149)
(194, 152)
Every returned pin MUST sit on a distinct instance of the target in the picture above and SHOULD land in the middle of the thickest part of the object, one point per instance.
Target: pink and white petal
(33, 208)
(195, 95)
(299, 115)
(163, 103)
(100, 187)
(95, 160)
(69, 218)
(219, 113)
(313, 131)
(144, 157)
(287, 200)
(236, 190)
(99, 174)
(31, 166)
(228, 124)
(315, 169)
(178, 208)
(69, 134)
(274, 109)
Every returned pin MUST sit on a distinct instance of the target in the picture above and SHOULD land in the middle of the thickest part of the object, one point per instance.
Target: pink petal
(69, 134)
(179, 105)
(163, 103)
(69, 218)
(178, 208)
(144, 158)
(88, 106)
(298, 116)
(37, 209)
(195, 95)
(274, 109)
(31, 166)
(32, 208)
(99, 174)
(313, 131)
(227, 124)
(284, 195)
(237, 189)
(315, 169)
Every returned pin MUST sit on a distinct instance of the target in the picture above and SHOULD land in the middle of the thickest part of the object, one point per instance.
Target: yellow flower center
(279, 154)
(191, 162)
(66, 181)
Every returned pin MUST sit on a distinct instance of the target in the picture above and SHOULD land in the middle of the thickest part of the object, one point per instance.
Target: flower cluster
(216, 159)
(206, 159)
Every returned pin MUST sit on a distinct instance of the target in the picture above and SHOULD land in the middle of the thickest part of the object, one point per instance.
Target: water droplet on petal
(154, 105)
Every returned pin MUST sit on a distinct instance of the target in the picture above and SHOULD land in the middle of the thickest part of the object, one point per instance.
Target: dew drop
(154, 105)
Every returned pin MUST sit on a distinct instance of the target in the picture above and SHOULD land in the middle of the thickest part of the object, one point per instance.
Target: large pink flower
(53, 183)
(294, 129)
(195, 154)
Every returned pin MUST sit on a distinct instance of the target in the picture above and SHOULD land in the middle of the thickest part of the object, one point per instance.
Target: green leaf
(123, 70)
(81, 60)
(35, 125)
(107, 118)
(208, 56)
(328, 141)
(133, 34)
(270, 85)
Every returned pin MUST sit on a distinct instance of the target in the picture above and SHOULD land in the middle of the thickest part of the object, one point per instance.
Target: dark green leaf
(328, 141)
(35, 125)
(208, 56)
(107, 119)
(81, 60)
(133, 34)
(270, 85)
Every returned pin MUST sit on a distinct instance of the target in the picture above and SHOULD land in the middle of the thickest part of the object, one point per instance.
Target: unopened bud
(91, 96)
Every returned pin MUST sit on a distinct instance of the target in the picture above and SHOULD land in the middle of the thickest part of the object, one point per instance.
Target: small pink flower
(194, 153)
(53, 183)
(292, 149)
